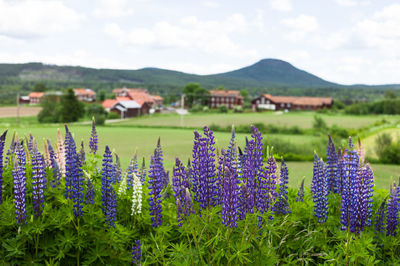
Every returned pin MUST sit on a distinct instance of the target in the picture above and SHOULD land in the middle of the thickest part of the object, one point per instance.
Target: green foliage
(387, 106)
(113, 115)
(195, 94)
(222, 109)
(102, 95)
(388, 151)
(71, 108)
(40, 87)
(51, 110)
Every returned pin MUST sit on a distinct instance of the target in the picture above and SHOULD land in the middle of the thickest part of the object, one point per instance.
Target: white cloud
(280, 5)
(303, 23)
(112, 9)
(211, 4)
(351, 3)
(36, 18)
(189, 33)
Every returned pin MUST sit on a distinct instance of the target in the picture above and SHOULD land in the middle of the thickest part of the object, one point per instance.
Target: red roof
(309, 101)
(225, 93)
(109, 103)
(157, 97)
(139, 95)
(121, 98)
(36, 94)
(84, 91)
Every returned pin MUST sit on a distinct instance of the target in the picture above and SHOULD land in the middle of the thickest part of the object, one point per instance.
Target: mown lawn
(178, 143)
(299, 119)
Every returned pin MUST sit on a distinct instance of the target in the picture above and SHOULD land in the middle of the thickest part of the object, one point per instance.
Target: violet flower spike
(89, 197)
(155, 187)
(136, 252)
(38, 181)
(300, 193)
(19, 176)
(392, 212)
(282, 205)
(230, 201)
(56, 181)
(93, 142)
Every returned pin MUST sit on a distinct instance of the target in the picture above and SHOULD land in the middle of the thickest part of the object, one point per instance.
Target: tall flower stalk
(230, 201)
(39, 181)
(107, 190)
(392, 212)
(2, 144)
(56, 181)
(93, 138)
(136, 196)
(319, 189)
(281, 205)
(19, 176)
(331, 167)
(155, 186)
(180, 186)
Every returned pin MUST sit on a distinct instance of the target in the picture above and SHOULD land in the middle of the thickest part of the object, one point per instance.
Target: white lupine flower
(122, 186)
(137, 195)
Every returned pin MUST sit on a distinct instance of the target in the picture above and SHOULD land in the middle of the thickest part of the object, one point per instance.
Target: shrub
(222, 109)
(113, 115)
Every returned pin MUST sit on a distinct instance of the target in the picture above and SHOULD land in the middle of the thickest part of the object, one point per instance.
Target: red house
(229, 98)
(269, 102)
(139, 95)
(85, 95)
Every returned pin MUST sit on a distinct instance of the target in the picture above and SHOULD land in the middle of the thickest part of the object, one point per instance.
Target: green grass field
(178, 143)
(299, 119)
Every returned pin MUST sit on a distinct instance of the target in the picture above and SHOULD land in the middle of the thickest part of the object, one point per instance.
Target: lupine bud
(180, 185)
(132, 168)
(55, 182)
(122, 186)
(331, 167)
(136, 253)
(77, 187)
(380, 218)
(2, 143)
(89, 197)
(93, 138)
(300, 193)
(108, 194)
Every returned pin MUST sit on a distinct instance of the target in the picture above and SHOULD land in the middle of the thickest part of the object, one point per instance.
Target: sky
(343, 41)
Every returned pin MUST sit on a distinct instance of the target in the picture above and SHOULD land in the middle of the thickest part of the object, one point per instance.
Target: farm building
(269, 102)
(85, 95)
(127, 108)
(35, 97)
(139, 95)
(229, 98)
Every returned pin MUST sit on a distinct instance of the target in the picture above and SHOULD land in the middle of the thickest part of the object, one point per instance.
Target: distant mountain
(274, 71)
(272, 75)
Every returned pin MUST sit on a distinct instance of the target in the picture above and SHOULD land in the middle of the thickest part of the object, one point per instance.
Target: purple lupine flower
(11, 151)
(243, 201)
(319, 189)
(38, 181)
(143, 172)
(231, 151)
(369, 181)
(281, 205)
(158, 158)
(350, 189)
(77, 186)
(155, 186)
(392, 212)
(93, 138)
(270, 176)
(19, 176)
(82, 155)
(207, 184)
(108, 194)
(136, 252)
(253, 173)
(224, 161)
(89, 197)
(31, 144)
(2, 142)
(196, 166)
(300, 193)
(180, 186)
(242, 161)
(230, 201)
(70, 162)
(339, 171)
(331, 167)
(117, 170)
(380, 218)
(55, 182)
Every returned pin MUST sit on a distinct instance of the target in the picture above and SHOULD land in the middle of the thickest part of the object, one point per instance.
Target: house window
(212, 99)
(267, 101)
(262, 100)
(282, 104)
(289, 105)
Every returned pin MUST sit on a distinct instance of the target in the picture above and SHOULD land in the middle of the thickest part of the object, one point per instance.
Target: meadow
(302, 120)
(126, 140)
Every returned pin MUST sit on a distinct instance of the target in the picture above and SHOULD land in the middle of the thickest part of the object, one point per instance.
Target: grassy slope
(125, 140)
(300, 119)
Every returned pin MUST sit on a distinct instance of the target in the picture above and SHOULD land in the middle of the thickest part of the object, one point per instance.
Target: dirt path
(23, 111)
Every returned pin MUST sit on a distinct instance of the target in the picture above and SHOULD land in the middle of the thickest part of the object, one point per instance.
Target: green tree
(51, 110)
(39, 87)
(71, 108)
(102, 95)
(195, 94)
